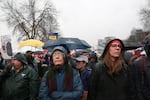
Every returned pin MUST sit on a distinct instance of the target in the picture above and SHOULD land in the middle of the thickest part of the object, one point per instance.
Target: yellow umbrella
(32, 43)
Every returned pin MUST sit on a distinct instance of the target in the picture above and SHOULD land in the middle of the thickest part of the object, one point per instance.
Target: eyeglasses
(58, 55)
(116, 45)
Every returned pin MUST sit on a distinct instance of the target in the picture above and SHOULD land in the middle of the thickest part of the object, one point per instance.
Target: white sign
(6, 48)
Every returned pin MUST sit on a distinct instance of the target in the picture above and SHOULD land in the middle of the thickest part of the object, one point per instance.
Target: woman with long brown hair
(110, 80)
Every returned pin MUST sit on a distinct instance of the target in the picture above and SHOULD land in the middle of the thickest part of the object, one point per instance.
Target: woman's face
(115, 49)
(58, 58)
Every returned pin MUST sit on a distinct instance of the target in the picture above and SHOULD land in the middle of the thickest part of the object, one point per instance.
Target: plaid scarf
(68, 79)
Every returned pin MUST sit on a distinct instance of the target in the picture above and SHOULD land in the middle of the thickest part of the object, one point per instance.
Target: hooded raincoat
(22, 85)
(103, 86)
(47, 93)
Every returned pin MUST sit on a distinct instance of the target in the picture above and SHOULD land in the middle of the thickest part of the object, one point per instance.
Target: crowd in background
(80, 75)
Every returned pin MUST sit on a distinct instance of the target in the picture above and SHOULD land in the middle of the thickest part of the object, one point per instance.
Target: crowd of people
(60, 75)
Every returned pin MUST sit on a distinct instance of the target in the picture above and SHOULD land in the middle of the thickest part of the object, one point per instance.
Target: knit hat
(20, 57)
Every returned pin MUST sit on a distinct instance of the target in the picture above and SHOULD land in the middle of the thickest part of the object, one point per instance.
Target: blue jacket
(85, 75)
(76, 94)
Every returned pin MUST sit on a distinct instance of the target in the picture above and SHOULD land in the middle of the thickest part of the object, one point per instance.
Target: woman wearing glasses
(110, 80)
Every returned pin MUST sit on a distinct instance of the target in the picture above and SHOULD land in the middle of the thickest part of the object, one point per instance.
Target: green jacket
(22, 85)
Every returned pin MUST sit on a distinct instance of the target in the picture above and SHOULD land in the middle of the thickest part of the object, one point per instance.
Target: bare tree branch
(29, 21)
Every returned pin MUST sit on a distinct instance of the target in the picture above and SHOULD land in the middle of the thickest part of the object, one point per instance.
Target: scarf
(68, 79)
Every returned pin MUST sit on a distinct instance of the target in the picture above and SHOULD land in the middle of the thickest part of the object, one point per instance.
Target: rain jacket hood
(61, 49)
(20, 57)
(107, 46)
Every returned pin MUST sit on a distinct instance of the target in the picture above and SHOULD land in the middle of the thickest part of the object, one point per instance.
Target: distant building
(134, 41)
(102, 43)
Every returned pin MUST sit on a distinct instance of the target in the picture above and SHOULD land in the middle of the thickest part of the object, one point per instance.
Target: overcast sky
(95, 19)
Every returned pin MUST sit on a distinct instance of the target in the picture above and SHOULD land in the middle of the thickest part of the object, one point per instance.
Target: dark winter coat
(106, 86)
(141, 72)
(141, 76)
(103, 86)
(22, 85)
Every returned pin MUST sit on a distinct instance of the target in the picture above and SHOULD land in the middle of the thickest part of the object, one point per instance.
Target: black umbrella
(38, 52)
(71, 43)
(49, 44)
